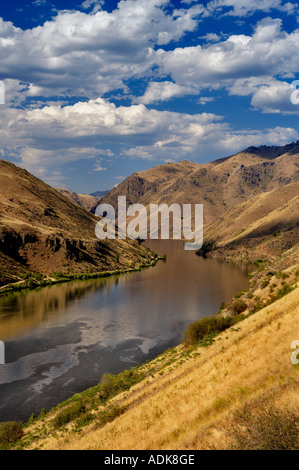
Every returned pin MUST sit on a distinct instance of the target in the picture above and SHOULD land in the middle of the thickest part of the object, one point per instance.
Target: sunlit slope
(220, 185)
(41, 231)
(266, 226)
(191, 399)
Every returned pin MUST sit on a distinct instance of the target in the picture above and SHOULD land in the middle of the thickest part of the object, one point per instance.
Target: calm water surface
(60, 340)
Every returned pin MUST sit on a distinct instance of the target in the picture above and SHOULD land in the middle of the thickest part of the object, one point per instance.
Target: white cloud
(247, 7)
(99, 168)
(97, 122)
(276, 136)
(83, 132)
(256, 59)
(164, 91)
(275, 97)
(211, 37)
(206, 99)
(96, 5)
(89, 54)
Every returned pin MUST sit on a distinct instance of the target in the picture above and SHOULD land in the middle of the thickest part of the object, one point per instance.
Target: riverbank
(87, 419)
(38, 281)
(188, 398)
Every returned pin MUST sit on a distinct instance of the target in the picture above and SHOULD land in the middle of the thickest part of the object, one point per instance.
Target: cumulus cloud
(241, 64)
(80, 54)
(92, 52)
(88, 54)
(275, 97)
(247, 7)
(85, 130)
(97, 122)
(164, 91)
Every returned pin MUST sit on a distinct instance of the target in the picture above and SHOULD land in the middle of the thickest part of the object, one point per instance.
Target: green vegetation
(284, 290)
(110, 386)
(110, 414)
(34, 281)
(68, 414)
(204, 330)
(238, 306)
(10, 433)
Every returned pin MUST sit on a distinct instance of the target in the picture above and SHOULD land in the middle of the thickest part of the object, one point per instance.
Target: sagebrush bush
(68, 414)
(10, 432)
(111, 385)
(238, 306)
(206, 327)
(110, 414)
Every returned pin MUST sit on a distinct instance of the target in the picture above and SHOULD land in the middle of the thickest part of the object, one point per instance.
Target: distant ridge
(99, 194)
(251, 205)
(220, 185)
(88, 202)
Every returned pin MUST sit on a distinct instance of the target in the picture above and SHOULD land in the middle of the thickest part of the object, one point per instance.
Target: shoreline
(116, 395)
(48, 281)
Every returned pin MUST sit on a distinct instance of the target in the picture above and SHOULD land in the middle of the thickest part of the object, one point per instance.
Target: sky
(99, 89)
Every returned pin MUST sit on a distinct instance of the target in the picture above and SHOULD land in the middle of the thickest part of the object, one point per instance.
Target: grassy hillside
(239, 392)
(42, 233)
(264, 227)
(231, 383)
(220, 185)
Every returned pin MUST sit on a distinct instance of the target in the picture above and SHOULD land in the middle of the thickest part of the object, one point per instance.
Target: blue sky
(99, 89)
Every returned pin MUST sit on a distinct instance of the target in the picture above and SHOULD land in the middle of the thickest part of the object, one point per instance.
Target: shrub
(10, 432)
(42, 414)
(281, 275)
(110, 414)
(286, 289)
(265, 427)
(205, 328)
(238, 306)
(265, 283)
(113, 384)
(222, 307)
(69, 414)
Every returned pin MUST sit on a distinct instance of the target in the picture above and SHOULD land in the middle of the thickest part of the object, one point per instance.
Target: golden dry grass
(191, 402)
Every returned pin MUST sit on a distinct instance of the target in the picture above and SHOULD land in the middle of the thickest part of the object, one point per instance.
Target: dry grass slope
(194, 399)
(43, 232)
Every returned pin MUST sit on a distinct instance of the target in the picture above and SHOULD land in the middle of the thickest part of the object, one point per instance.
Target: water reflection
(23, 310)
(60, 340)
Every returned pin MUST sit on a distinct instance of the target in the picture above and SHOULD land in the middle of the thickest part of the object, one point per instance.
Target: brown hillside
(220, 185)
(44, 232)
(265, 226)
(88, 203)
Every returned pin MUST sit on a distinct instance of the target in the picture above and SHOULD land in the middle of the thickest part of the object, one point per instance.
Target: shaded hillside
(86, 201)
(219, 185)
(41, 231)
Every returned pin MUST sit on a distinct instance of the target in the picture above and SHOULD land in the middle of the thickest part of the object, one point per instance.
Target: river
(60, 340)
